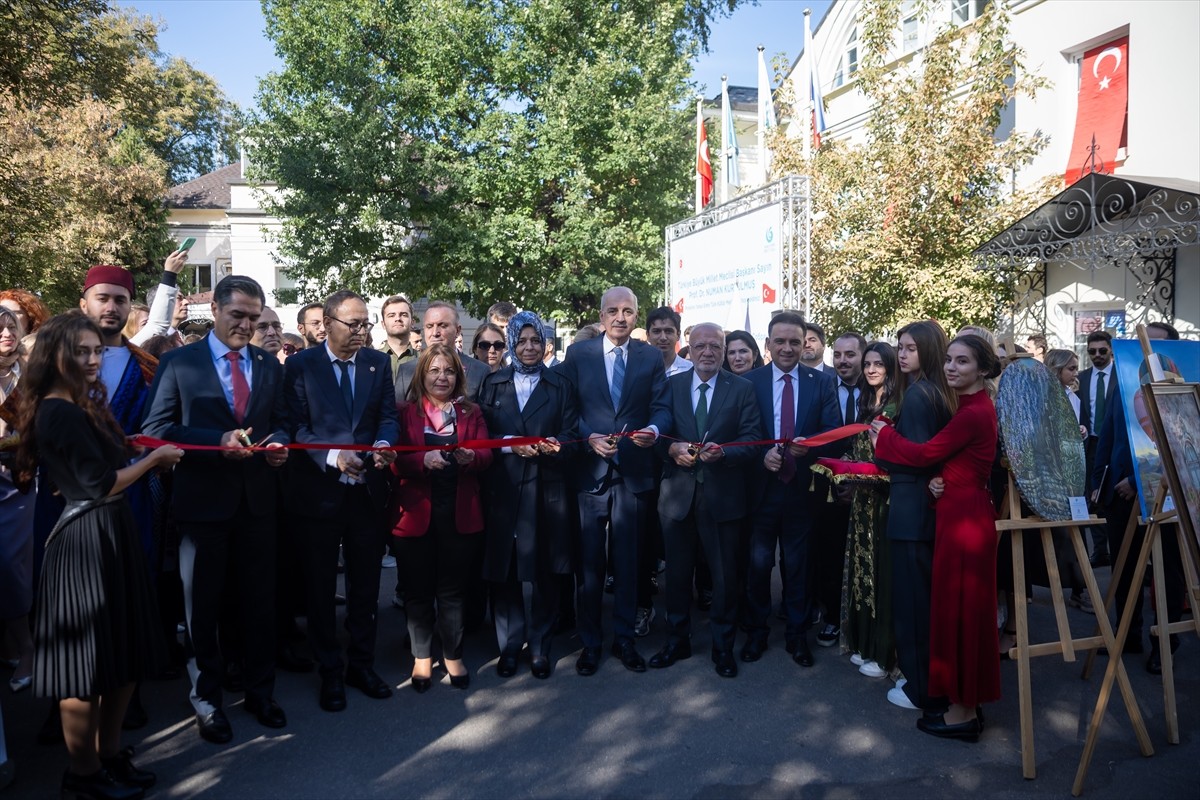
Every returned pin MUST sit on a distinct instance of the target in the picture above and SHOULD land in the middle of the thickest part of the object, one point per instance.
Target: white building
(1093, 271)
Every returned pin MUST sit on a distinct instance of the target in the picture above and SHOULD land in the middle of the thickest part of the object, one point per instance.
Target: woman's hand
(166, 456)
(464, 456)
(433, 460)
(937, 487)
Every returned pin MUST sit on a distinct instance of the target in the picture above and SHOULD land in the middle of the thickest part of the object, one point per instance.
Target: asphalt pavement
(777, 730)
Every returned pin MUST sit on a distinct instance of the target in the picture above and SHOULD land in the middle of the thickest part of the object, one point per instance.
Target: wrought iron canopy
(1100, 220)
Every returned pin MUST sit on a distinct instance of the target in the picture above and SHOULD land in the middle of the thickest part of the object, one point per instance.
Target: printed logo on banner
(770, 235)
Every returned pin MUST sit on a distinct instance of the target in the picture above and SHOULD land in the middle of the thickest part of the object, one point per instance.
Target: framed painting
(1176, 411)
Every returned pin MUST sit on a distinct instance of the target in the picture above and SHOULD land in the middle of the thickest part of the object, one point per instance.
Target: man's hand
(711, 452)
(384, 458)
(525, 450)
(235, 444)
(644, 437)
(1125, 489)
(796, 448)
(176, 261)
(602, 445)
(773, 460)
(681, 454)
(349, 463)
(548, 446)
(277, 454)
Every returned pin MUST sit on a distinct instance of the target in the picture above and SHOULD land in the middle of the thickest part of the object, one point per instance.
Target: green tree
(904, 209)
(94, 123)
(529, 151)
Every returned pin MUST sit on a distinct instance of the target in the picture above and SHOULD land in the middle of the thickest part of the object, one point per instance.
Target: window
(848, 64)
(201, 278)
(910, 21)
(963, 11)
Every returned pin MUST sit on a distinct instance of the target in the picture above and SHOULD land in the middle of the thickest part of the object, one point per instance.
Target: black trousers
(437, 567)
(513, 626)
(358, 528)
(829, 555)
(1117, 513)
(232, 556)
(719, 542)
(912, 586)
(783, 519)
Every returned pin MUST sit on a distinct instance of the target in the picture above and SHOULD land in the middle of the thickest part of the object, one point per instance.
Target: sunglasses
(1097, 351)
(492, 345)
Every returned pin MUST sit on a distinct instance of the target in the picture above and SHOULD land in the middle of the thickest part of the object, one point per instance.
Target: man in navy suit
(1097, 393)
(702, 499)
(795, 402)
(342, 392)
(224, 391)
(622, 388)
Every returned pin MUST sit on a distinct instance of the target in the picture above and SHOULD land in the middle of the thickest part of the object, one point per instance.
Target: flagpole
(699, 128)
(724, 138)
(810, 94)
(762, 132)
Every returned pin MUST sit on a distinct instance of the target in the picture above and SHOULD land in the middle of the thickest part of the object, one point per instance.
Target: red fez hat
(109, 273)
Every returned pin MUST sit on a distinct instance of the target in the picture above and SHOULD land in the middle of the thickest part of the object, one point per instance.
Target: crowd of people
(269, 462)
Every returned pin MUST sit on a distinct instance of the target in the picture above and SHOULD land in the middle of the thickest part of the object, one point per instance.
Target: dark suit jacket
(816, 411)
(412, 508)
(645, 400)
(1112, 452)
(528, 499)
(187, 405)
(476, 371)
(1085, 397)
(317, 414)
(732, 417)
(911, 516)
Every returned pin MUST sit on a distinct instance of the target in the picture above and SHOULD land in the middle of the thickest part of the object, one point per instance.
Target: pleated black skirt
(95, 616)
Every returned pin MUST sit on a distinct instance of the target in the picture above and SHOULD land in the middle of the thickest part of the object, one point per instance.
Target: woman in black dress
(95, 629)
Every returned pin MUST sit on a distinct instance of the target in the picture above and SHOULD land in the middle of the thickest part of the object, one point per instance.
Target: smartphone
(188, 243)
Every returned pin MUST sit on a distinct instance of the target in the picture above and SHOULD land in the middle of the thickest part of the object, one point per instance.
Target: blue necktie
(618, 377)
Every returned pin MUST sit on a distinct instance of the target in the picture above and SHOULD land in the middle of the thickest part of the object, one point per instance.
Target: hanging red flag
(1103, 103)
(679, 306)
(768, 294)
(703, 166)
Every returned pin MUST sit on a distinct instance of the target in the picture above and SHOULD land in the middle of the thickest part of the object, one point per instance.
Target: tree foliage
(529, 151)
(903, 210)
(95, 123)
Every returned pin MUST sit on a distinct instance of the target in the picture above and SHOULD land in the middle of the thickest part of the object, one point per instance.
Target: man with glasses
(268, 332)
(342, 392)
(310, 322)
(1097, 390)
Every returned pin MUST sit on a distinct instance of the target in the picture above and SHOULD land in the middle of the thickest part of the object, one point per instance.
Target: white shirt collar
(219, 348)
(333, 359)
(609, 346)
(778, 374)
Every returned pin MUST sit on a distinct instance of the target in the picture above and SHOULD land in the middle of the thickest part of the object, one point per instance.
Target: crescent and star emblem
(1115, 52)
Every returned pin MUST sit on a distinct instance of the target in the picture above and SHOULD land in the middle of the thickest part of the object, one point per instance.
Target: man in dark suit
(440, 324)
(622, 388)
(703, 494)
(812, 354)
(224, 391)
(1093, 405)
(794, 402)
(342, 392)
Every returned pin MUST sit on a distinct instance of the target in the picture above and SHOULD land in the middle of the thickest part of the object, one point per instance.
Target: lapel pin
(372, 369)
(259, 358)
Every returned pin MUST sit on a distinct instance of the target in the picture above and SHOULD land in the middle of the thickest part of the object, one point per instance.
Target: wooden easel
(1014, 522)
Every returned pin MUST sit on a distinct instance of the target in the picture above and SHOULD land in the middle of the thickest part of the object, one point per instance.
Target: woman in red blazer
(438, 515)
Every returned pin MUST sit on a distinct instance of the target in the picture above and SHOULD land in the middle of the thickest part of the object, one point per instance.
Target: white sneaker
(389, 562)
(872, 670)
(857, 660)
(897, 697)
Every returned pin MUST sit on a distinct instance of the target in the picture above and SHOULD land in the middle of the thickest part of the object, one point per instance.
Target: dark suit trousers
(626, 511)
(783, 518)
(437, 566)
(513, 626)
(1117, 513)
(236, 555)
(829, 555)
(1099, 533)
(358, 528)
(912, 581)
(718, 541)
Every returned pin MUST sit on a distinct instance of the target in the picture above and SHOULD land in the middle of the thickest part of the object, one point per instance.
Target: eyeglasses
(355, 326)
(491, 345)
(265, 326)
(1097, 351)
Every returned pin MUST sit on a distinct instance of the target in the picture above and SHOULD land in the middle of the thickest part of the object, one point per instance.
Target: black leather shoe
(1100, 560)
(725, 663)
(268, 714)
(214, 727)
(789, 646)
(333, 693)
(289, 660)
(803, 656)
(966, 731)
(460, 681)
(625, 650)
(506, 667)
(100, 785)
(589, 661)
(672, 652)
(367, 682)
(122, 770)
(753, 649)
(540, 667)
(421, 685)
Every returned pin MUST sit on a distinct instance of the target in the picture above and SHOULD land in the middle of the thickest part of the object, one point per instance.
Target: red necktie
(787, 428)
(241, 389)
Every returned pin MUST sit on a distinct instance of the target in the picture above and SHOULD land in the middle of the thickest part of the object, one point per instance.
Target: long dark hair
(743, 336)
(52, 366)
(931, 344)
(416, 389)
(867, 407)
(985, 356)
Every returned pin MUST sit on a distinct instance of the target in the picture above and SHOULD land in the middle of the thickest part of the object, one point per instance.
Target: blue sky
(225, 38)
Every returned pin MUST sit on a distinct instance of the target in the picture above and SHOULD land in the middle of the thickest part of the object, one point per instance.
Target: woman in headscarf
(528, 500)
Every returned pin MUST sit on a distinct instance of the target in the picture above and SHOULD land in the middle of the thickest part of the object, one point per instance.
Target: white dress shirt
(1108, 378)
(777, 392)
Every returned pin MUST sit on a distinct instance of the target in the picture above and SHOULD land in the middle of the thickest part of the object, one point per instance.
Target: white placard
(1079, 508)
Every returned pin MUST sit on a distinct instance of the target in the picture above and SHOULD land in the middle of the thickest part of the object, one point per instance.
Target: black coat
(911, 516)
(529, 500)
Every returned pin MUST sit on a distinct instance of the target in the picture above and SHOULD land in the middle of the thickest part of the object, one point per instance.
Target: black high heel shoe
(461, 681)
(421, 685)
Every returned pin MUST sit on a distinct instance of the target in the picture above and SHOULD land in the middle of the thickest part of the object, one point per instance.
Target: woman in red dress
(963, 641)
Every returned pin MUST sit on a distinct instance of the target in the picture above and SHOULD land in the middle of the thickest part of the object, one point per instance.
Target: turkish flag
(1103, 106)
(679, 306)
(704, 166)
(768, 294)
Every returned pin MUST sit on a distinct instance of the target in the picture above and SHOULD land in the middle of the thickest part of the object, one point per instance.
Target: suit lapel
(538, 398)
(721, 391)
(208, 368)
(326, 375)
(364, 379)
